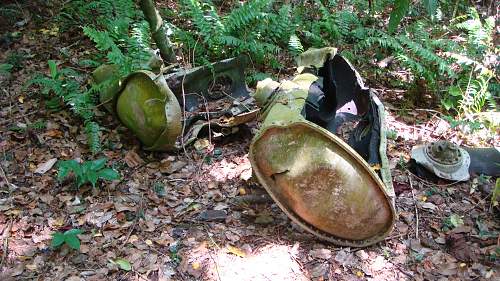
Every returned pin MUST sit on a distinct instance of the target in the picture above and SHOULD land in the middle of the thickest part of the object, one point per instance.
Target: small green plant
(16, 59)
(22, 128)
(117, 28)
(402, 163)
(125, 42)
(5, 68)
(62, 85)
(392, 134)
(87, 172)
(122, 264)
(159, 189)
(433, 190)
(452, 222)
(69, 238)
(473, 125)
(418, 257)
(471, 91)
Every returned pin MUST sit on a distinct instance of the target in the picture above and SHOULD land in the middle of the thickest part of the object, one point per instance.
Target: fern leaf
(101, 38)
(92, 130)
(401, 7)
(247, 13)
(295, 46)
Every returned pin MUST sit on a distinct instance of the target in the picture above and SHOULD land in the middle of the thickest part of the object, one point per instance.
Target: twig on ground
(184, 117)
(137, 274)
(395, 236)
(416, 208)
(429, 184)
(208, 120)
(430, 110)
(18, 117)
(4, 177)
(136, 221)
(252, 199)
(5, 244)
(404, 272)
(481, 200)
(212, 258)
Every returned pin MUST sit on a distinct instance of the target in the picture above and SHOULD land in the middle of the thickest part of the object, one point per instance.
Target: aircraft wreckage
(320, 151)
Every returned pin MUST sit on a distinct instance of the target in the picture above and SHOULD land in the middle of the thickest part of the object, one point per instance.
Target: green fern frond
(479, 34)
(281, 25)
(249, 12)
(427, 55)
(92, 130)
(205, 18)
(102, 39)
(295, 46)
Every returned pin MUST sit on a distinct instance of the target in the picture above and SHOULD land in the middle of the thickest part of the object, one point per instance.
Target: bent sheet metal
(322, 183)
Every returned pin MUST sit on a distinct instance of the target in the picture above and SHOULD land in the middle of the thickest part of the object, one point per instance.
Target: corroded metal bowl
(322, 184)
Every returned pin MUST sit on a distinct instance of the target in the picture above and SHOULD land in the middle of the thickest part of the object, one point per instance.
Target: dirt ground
(176, 216)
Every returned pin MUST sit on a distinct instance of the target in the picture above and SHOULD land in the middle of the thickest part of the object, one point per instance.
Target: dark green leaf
(123, 264)
(431, 7)
(92, 177)
(53, 69)
(73, 231)
(57, 239)
(401, 7)
(456, 220)
(448, 104)
(98, 164)
(455, 91)
(108, 174)
(66, 167)
(81, 181)
(73, 241)
(5, 67)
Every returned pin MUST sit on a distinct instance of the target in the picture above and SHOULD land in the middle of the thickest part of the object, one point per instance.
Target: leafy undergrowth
(179, 217)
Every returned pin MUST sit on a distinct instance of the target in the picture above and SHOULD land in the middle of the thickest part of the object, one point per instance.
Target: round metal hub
(444, 152)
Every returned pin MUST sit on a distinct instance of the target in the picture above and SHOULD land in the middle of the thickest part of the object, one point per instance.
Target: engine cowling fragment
(316, 178)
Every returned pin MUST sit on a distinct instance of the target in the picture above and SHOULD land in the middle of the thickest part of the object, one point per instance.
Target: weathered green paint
(200, 79)
(315, 57)
(322, 184)
(385, 172)
(144, 103)
(148, 107)
(112, 86)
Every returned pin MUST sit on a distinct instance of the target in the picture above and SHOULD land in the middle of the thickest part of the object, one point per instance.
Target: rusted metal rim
(322, 184)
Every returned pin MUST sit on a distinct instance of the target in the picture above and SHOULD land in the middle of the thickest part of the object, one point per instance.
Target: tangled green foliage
(419, 37)
(62, 86)
(473, 90)
(252, 28)
(121, 36)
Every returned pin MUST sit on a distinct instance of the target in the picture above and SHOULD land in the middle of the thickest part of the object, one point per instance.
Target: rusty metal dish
(320, 183)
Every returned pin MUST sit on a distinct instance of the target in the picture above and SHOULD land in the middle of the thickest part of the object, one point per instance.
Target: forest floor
(174, 216)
